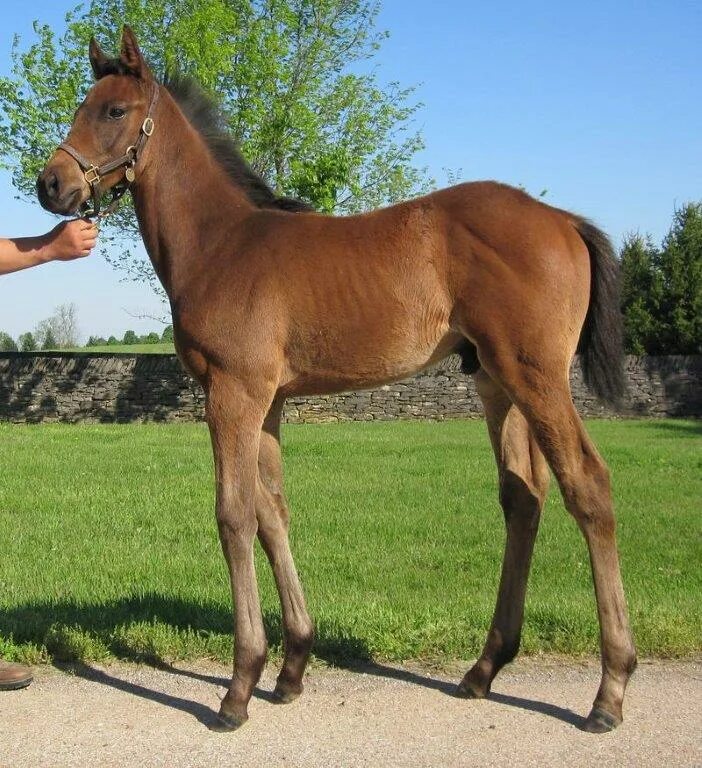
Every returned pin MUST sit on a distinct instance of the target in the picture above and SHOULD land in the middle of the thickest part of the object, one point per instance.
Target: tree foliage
(48, 340)
(662, 288)
(7, 343)
(293, 77)
(27, 342)
(640, 293)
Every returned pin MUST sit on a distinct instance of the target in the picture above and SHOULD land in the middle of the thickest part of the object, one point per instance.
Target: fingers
(86, 225)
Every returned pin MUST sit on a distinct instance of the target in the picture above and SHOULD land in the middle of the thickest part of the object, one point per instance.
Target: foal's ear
(130, 55)
(98, 60)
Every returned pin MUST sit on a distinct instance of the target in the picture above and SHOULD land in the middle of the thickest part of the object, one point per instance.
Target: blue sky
(600, 105)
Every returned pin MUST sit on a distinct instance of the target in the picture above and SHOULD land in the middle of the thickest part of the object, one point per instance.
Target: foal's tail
(601, 340)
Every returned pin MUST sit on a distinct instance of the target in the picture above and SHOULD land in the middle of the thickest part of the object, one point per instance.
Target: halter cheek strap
(93, 173)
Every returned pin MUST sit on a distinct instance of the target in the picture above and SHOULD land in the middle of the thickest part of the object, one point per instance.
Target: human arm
(68, 240)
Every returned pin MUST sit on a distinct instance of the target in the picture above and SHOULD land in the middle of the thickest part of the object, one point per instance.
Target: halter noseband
(93, 173)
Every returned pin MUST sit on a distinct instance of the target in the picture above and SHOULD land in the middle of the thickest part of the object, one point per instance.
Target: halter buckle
(91, 175)
(147, 127)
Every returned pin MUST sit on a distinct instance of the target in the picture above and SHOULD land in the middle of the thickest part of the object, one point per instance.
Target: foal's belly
(362, 365)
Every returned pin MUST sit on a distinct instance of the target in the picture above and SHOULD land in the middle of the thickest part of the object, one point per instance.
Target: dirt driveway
(124, 715)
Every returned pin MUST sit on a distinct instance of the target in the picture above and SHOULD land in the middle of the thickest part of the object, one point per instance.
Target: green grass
(109, 546)
(165, 347)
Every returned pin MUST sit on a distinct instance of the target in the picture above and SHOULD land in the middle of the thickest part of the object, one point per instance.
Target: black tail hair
(602, 338)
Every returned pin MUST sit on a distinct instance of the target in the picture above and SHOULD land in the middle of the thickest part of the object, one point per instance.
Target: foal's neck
(183, 200)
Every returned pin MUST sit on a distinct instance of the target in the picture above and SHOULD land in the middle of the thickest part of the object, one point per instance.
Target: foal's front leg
(235, 419)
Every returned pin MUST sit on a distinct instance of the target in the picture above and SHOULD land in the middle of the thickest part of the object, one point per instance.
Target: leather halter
(93, 173)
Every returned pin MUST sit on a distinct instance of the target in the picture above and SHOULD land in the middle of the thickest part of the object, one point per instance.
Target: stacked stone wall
(77, 387)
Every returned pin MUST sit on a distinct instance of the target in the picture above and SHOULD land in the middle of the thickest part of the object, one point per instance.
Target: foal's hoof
(467, 690)
(284, 694)
(225, 723)
(599, 721)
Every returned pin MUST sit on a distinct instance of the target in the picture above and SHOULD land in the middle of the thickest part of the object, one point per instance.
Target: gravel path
(125, 715)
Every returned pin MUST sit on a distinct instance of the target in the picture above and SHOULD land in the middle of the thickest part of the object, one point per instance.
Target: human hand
(70, 240)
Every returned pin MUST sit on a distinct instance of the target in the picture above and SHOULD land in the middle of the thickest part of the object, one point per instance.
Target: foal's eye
(116, 113)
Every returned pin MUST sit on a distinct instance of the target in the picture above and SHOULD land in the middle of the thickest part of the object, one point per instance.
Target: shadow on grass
(683, 429)
(55, 624)
(43, 623)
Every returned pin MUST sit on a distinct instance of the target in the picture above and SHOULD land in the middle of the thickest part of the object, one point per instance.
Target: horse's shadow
(36, 622)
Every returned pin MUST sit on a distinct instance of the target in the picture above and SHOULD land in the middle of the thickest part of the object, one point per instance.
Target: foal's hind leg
(543, 395)
(273, 522)
(523, 478)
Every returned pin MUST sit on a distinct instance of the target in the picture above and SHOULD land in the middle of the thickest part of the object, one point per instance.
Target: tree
(662, 288)
(294, 79)
(7, 343)
(62, 325)
(96, 341)
(65, 325)
(640, 294)
(150, 338)
(680, 268)
(112, 342)
(130, 338)
(49, 340)
(27, 342)
(167, 334)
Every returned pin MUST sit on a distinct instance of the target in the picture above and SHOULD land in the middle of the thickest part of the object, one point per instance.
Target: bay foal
(270, 300)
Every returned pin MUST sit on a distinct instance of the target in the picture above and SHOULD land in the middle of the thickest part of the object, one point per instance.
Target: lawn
(109, 545)
(165, 347)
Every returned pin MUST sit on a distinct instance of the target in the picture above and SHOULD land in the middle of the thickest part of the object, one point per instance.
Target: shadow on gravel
(207, 716)
(449, 688)
(46, 623)
(200, 712)
(551, 710)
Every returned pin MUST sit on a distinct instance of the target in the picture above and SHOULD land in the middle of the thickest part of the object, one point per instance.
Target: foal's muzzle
(60, 190)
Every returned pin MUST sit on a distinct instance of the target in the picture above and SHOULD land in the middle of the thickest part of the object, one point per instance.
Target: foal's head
(106, 126)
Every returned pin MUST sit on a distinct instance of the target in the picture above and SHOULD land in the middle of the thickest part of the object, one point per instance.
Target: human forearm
(23, 252)
(66, 241)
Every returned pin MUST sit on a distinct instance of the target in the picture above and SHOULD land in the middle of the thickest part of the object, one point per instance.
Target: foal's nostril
(51, 183)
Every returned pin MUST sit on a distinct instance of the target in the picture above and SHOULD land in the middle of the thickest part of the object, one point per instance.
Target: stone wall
(74, 387)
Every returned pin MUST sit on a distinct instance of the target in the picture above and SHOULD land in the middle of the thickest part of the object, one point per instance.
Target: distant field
(109, 545)
(145, 349)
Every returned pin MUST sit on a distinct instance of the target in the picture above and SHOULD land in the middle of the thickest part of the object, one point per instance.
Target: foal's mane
(206, 117)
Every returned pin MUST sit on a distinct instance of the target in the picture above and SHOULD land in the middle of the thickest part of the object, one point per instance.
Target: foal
(271, 300)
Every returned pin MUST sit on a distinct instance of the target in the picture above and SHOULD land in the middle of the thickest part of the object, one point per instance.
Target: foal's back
(351, 302)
